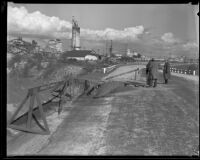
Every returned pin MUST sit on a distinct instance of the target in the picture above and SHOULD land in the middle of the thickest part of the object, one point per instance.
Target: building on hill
(118, 55)
(81, 55)
(54, 46)
(21, 47)
(19, 41)
(130, 53)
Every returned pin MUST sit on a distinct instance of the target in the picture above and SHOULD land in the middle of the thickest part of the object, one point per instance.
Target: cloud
(20, 21)
(169, 38)
(130, 33)
(190, 45)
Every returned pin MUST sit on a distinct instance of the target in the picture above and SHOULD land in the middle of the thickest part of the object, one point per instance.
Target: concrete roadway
(132, 121)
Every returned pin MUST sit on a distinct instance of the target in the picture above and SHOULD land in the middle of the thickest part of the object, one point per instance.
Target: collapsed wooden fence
(62, 89)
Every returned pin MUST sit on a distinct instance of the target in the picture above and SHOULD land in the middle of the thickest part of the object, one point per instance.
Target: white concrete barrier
(181, 71)
(107, 69)
(194, 73)
(104, 70)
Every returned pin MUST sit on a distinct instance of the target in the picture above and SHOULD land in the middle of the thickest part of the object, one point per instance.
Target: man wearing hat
(166, 71)
(152, 72)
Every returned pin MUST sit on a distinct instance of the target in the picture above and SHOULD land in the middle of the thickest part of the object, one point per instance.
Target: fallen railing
(60, 90)
(108, 69)
(135, 70)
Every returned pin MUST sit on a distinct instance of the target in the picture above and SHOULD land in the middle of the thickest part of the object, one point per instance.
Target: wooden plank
(54, 85)
(120, 74)
(138, 83)
(42, 112)
(28, 130)
(37, 122)
(136, 74)
(60, 96)
(106, 88)
(91, 88)
(30, 112)
(20, 106)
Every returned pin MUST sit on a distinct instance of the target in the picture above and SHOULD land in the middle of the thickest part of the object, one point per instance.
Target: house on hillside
(21, 47)
(118, 55)
(18, 41)
(81, 55)
(54, 46)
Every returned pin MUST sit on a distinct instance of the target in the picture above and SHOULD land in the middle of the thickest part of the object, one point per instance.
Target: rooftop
(79, 53)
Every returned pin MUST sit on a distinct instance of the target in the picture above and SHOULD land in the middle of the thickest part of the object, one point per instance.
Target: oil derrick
(75, 42)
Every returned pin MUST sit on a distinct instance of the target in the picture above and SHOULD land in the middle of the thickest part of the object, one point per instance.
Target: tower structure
(110, 49)
(75, 43)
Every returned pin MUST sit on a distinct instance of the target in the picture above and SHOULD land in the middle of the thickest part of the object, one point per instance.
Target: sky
(168, 26)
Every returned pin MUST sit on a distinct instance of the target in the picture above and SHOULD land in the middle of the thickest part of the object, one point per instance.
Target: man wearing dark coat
(149, 78)
(166, 71)
(152, 73)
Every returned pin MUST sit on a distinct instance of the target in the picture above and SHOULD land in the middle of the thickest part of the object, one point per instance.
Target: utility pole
(106, 49)
(111, 48)
(126, 48)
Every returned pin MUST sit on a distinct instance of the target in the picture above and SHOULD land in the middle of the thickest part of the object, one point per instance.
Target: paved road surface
(131, 121)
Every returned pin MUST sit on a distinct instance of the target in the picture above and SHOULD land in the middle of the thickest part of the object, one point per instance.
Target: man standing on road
(149, 78)
(166, 71)
(152, 73)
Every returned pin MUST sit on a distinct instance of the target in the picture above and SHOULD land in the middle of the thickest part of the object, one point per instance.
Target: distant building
(81, 55)
(159, 59)
(19, 41)
(143, 57)
(135, 54)
(91, 57)
(19, 46)
(131, 54)
(54, 46)
(118, 55)
(128, 53)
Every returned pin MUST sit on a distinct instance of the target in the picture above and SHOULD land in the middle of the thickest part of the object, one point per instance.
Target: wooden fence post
(20, 106)
(32, 95)
(42, 112)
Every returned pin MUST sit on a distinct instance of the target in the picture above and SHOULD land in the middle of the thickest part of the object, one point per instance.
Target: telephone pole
(110, 48)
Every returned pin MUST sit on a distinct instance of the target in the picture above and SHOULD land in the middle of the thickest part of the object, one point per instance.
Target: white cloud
(190, 45)
(169, 38)
(130, 33)
(22, 22)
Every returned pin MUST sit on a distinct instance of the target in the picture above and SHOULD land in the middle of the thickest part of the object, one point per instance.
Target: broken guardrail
(108, 69)
(59, 90)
